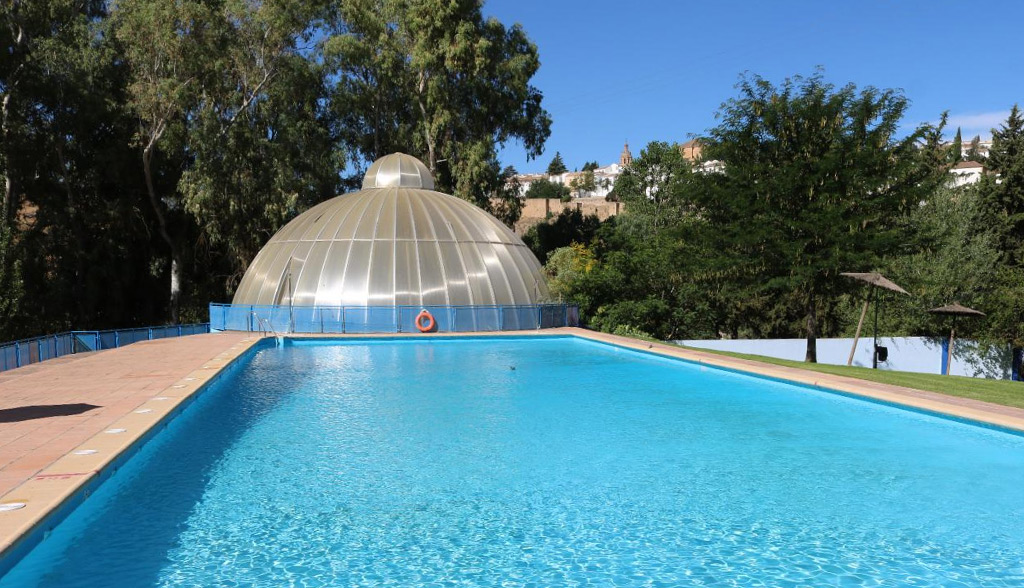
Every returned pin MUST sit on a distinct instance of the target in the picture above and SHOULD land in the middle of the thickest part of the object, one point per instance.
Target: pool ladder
(265, 327)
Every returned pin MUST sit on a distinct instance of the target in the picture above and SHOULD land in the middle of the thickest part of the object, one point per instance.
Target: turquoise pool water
(415, 464)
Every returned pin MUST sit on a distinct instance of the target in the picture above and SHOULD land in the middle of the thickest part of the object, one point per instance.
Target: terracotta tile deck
(49, 408)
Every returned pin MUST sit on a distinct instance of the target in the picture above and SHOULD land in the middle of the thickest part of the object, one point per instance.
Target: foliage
(566, 267)
(507, 206)
(569, 227)
(557, 166)
(148, 149)
(1002, 191)
(644, 284)
(11, 289)
(583, 184)
(974, 151)
(815, 182)
(1001, 199)
(437, 78)
(954, 258)
(654, 188)
(259, 138)
(590, 166)
(544, 188)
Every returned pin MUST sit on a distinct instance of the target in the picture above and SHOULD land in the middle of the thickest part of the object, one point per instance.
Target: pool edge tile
(65, 482)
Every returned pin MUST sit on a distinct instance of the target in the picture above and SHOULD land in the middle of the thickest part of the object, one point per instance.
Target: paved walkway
(49, 408)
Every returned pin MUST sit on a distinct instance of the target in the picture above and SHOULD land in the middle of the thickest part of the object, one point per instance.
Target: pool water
(541, 462)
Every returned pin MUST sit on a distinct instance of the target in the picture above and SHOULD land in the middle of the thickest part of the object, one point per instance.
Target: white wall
(906, 354)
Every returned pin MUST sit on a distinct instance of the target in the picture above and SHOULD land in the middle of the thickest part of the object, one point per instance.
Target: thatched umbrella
(876, 280)
(954, 310)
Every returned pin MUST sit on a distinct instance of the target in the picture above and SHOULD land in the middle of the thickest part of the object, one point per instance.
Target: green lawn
(1004, 392)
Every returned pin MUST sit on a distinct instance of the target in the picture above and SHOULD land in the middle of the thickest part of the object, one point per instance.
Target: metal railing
(36, 349)
(389, 319)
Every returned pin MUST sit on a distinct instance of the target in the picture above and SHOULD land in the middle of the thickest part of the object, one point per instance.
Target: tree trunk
(9, 195)
(176, 269)
(812, 330)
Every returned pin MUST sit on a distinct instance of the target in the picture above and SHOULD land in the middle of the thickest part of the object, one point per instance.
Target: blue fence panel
(26, 351)
(274, 319)
(444, 318)
(83, 341)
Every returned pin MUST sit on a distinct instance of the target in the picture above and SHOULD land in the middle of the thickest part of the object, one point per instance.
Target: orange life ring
(425, 325)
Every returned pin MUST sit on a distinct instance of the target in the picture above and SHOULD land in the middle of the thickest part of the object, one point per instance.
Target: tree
(570, 226)
(956, 150)
(1002, 191)
(260, 137)
(590, 166)
(506, 203)
(1002, 201)
(653, 187)
(544, 188)
(438, 79)
(952, 257)
(815, 180)
(165, 46)
(583, 184)
(81, 243)
(10, 280)
(557, 166)
(974, 151)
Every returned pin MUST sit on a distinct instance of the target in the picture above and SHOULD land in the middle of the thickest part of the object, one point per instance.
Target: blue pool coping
(30, 540)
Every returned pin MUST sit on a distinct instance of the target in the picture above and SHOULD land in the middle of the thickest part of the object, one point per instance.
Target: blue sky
(658, 70)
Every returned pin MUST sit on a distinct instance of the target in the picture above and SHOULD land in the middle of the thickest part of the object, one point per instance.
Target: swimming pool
(541, 461)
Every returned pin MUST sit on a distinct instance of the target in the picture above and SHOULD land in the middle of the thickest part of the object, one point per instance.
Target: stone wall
(535, 210)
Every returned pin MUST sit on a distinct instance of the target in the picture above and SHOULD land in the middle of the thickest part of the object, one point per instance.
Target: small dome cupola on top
(398, 170)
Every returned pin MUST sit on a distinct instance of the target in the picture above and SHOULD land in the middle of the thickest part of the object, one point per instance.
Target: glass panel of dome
(476, 274)
(329, 288)
(502, 292)
(381, 282)
(433, 288)
(404, 217)
(514, 278)
(353, 208)
(367, 225)
(407, 278)
(423, 229)
(458, 286)
(440, 223)
(386, 220)
(308, 262)
(356, 274)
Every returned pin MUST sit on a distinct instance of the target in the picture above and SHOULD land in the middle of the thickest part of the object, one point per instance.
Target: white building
(966, 172)
(604, 178)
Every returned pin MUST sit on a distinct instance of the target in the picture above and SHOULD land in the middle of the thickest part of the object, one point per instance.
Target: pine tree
(1002, 191)
(974, 150)
(557, 166)
(956, 152)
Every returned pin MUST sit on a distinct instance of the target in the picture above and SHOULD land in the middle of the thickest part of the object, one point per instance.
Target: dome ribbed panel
(393, 246)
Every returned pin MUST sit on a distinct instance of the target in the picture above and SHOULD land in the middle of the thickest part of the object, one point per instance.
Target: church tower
(626, 158)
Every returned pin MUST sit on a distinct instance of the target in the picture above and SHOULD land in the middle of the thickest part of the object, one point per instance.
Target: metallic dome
(398, 170)
(395, 242)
